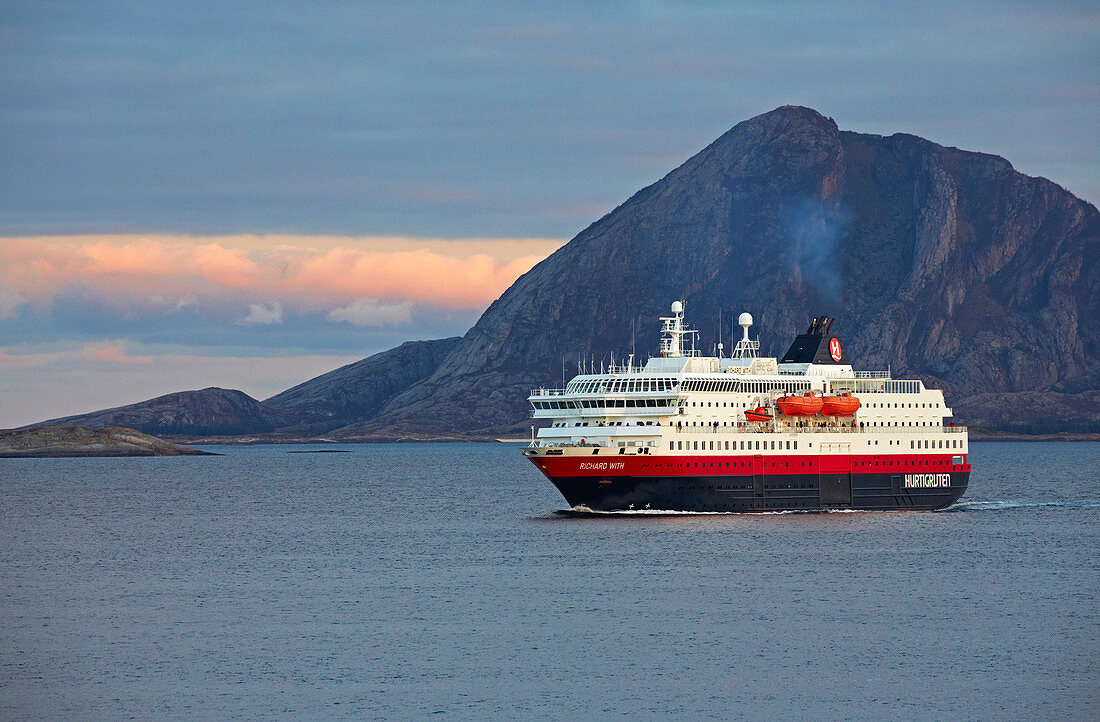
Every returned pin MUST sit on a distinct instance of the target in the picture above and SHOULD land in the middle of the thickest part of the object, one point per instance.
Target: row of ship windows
(810, 422)
(623, 386)
(756, 387)
(719, 424)
(771, 445)
(650, 385)
(870, 406)
(672, 403)
(725, 385)
(607, 404)
(745, 446)
(903, 406)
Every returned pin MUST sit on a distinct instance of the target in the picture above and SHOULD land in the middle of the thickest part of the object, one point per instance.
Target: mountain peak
(793, 113)
(941, 265)
(783, 123)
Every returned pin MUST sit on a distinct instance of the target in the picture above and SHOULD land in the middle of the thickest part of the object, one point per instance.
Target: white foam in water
(999, 505)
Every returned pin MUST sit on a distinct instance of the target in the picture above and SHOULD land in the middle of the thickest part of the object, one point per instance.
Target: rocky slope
(356, 391)
(341, 397)
(64, 441)
(1033, 412)
(211, 411)
(941, 263)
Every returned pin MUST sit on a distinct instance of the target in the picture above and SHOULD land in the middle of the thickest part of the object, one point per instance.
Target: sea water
(400, 581)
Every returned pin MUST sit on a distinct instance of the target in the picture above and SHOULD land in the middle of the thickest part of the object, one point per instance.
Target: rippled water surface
(397, 581)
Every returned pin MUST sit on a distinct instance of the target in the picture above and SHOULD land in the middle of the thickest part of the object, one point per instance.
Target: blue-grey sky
(492, 119)
(182, 136)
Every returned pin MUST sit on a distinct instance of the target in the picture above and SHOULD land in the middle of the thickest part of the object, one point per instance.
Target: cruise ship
(745, 433)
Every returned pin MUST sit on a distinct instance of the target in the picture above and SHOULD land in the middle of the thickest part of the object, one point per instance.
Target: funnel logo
(834, 348)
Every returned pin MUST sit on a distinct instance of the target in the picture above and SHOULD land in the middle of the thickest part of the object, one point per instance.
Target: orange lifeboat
(758, 414)
(840, 405)
(806, 405)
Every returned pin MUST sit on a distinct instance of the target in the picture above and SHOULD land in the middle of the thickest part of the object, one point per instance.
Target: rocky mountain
(941, 263)
(209, 412)
(356, 391)
(1032, 412)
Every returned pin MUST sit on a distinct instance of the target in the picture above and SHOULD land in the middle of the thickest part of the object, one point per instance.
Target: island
(68, 441)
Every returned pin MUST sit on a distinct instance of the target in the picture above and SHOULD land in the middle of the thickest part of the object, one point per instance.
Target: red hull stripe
(668, 465)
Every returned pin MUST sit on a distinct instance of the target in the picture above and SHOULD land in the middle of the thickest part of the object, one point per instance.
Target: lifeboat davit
(840, 405)
(806, 405)
(758, 414)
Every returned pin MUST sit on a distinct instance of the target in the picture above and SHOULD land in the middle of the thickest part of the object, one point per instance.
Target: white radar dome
(744, 319)
(677, 307)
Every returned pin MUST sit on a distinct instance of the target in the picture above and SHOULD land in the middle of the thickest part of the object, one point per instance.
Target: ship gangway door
(758, 482)
(834, 478)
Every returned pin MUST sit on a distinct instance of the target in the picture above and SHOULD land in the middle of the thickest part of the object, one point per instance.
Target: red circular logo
(834, 348)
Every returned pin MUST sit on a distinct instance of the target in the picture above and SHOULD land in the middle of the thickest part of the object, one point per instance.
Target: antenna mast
(745, 348)
(672, 343)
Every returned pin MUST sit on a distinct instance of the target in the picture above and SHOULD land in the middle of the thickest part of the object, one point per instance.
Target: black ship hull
(764, 493)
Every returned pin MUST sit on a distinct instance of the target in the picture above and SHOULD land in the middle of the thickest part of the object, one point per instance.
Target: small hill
(64, 441)
(207, 412)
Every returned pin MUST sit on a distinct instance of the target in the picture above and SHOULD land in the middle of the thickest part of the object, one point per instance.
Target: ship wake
(1005, 504)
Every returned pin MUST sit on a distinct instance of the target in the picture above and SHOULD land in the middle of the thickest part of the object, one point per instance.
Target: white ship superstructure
(685, 408)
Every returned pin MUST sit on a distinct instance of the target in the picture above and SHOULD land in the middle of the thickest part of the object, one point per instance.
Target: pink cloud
(307, 272)
(112, 355)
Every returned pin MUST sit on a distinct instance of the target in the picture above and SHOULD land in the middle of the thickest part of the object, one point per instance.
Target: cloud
(111, 355)
(369, 312)
(309, 273)
(261, 315)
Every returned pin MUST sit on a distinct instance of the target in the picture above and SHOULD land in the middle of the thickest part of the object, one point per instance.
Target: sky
(249, 194)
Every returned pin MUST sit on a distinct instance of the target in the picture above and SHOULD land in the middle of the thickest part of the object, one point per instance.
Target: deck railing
(829, 428)
(547, 392)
